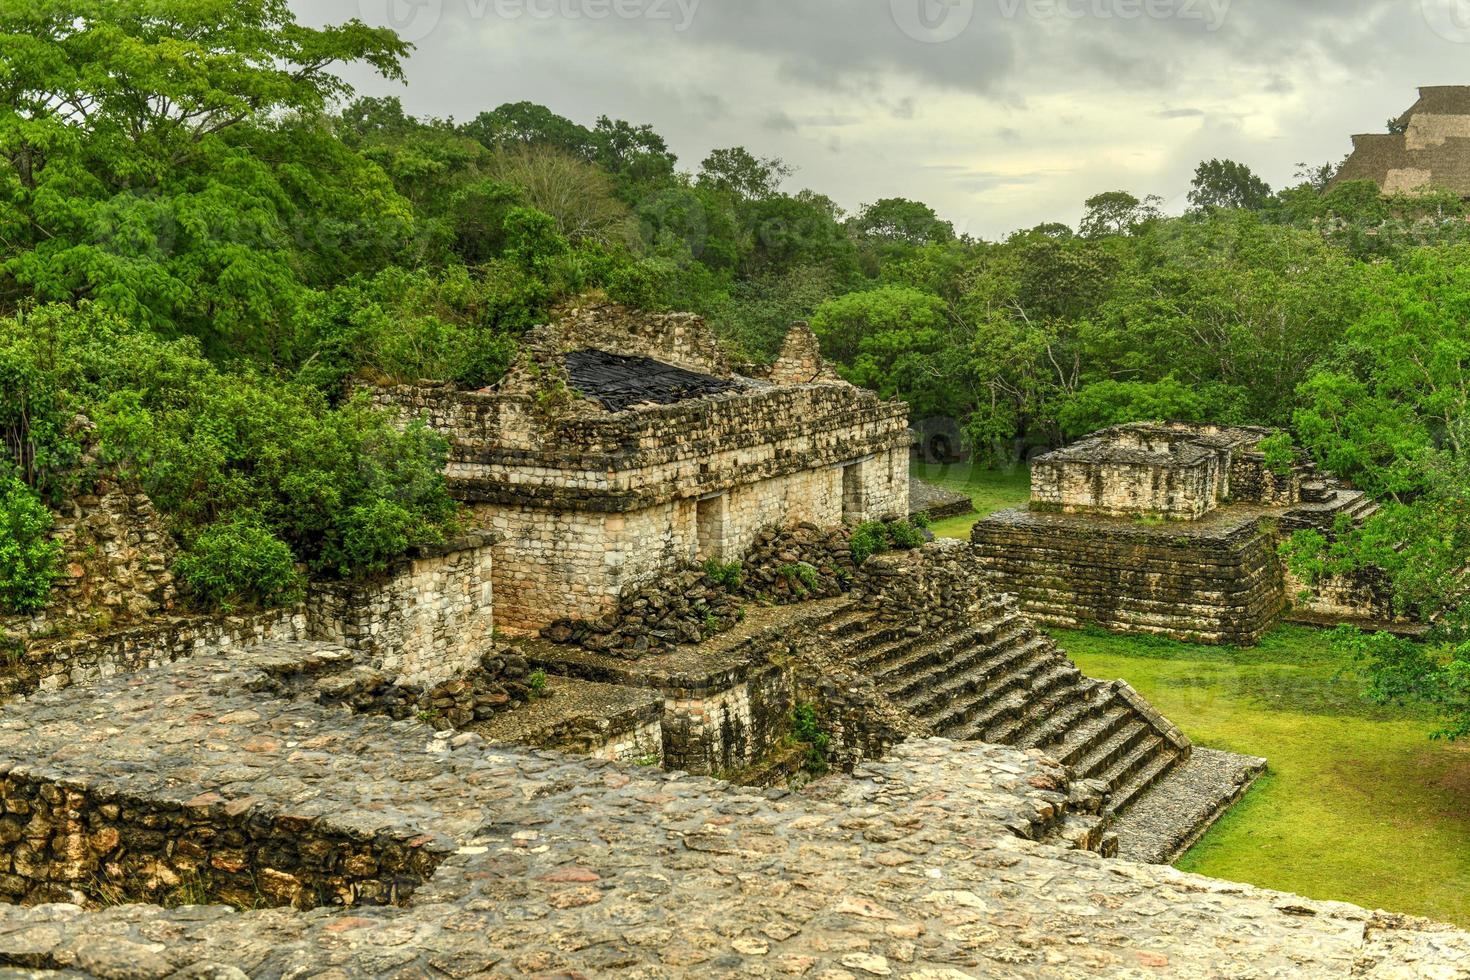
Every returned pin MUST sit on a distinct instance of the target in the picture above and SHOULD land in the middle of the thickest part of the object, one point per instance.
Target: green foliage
(344, 488)
(1280, 452)
(727, 575)
(536, 682)
(29, 559)
(806, 728)
(239, 564)
(802, 577)
(160, 161)
(36, 444)
(1227, 184)
(875, 537)
(1107, 403)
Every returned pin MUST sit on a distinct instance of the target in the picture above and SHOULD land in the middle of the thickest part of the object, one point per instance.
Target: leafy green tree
(896, 219)
(739, 172)
(1117, 213)
(579, 196)
(133, 173)
(898, 341)
(1227, 184)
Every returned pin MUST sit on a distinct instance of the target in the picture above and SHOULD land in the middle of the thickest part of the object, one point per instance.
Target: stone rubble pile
(785, 565)
(499, 682)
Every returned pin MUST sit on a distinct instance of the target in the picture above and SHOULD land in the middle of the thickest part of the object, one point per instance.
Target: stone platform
(929, 865)
(1215, 579)
(605, 721)
(936, 502)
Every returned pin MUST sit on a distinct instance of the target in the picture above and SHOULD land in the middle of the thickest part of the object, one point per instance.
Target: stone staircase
(1323, 501)
(992, 677)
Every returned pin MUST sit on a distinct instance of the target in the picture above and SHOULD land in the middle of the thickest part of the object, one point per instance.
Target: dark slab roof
(619, 381)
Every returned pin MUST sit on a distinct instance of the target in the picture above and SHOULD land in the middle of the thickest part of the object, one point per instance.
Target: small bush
(868, 540)
(239, 564)
(537, 683)
(29, 559)
(806, 728)
(876, 537)
(727, 575)
(1280, 453)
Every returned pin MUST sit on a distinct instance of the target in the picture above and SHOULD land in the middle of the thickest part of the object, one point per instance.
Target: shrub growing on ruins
(729, 576)
(875, 537)
(28, 557)
(806, 728)
(239, 564)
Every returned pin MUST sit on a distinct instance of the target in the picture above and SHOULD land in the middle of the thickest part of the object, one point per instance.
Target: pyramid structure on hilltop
(1429, 149)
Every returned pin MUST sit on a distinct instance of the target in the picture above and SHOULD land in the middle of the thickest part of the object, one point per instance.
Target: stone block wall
(116, 554)
(426, 621)
(86, 659)
(66, 841)
(572, 564)
(1180, 490)
(1217, 581)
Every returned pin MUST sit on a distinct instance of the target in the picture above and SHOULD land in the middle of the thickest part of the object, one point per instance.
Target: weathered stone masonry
(591, 502)
(1174, 530)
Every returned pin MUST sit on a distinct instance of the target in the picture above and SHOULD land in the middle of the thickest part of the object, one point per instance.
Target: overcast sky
(999, 113)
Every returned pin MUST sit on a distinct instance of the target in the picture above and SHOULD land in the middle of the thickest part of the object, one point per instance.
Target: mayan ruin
(523, 491)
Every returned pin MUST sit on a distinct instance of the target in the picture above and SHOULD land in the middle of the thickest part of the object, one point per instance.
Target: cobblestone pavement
(557, 866)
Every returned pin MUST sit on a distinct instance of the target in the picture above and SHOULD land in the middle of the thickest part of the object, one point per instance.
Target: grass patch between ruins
(990, 489)
(1360, 804)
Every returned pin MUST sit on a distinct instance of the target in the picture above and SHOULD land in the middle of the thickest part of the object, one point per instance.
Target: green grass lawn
(992, 490)
(1359, 805)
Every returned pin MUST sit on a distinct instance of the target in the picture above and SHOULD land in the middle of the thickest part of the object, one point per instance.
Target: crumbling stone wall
(590, 503)
(425, 621)
(1175, 470)
(116, 554)
(73, 842)
(29, 667)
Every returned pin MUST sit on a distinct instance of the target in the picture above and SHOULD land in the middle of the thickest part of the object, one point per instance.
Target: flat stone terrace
(917, 867)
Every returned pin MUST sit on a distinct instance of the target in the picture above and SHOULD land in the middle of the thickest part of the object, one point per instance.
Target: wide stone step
(844, 623)
(1080, 703)
(1148, 771)
(1163, 821)
(995, 711)
(928, 665)
(1012, 669)
(1049, 692)
(1085, 737)
(1140, 758)
(1098, 763)
(874, 654)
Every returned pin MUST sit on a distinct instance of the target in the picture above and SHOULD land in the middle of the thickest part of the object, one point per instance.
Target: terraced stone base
(1176, 812)
(605, 721)
(1213, 580)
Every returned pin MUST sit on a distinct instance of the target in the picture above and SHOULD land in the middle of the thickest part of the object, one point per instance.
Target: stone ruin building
(1429, 148)
(372, 784)
(1175, 529)
(621, 446)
